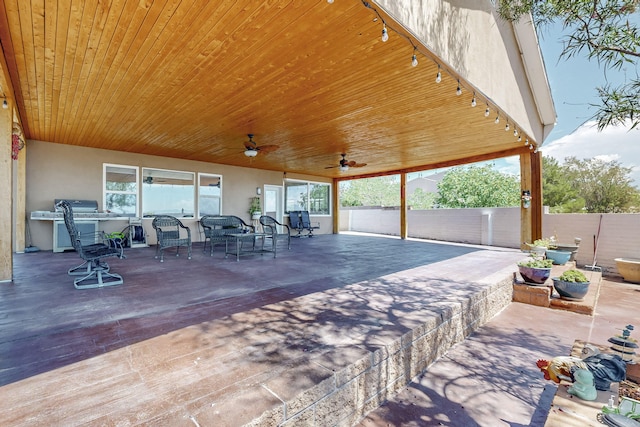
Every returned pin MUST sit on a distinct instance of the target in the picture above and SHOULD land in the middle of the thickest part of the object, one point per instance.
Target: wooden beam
(335, 201)
(531, 182)
(6, 195)
(520, 150)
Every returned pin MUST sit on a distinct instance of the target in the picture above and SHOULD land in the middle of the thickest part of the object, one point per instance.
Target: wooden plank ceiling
(190, 79)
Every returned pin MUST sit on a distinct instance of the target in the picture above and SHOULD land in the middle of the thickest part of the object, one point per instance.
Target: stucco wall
(618, 236)
(58, 171)
(469, 37)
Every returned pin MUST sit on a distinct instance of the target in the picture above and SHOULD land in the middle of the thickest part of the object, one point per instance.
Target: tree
(378, 191)
(478, 186)
(604, 32)
(557, 191)
(421, 199)
(605, 186)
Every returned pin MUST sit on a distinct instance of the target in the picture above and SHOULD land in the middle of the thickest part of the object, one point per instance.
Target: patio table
(240, 240)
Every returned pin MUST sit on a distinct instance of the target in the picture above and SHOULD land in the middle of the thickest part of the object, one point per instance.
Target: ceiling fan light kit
(251, 148)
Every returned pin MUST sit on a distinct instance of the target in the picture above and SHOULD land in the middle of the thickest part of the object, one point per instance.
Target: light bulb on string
(497, 120)
(473, 100)
(506, 127)
(438, 76)
(5, 104)
(519, 138)
(458, 90)
(515, 131)
(526, 141)
(385, 33)
(487, 111)
(414, 60)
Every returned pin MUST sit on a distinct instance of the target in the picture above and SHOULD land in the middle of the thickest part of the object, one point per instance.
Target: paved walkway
(491, 378)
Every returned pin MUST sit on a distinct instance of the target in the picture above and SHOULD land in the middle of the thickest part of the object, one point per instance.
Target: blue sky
(573, 84)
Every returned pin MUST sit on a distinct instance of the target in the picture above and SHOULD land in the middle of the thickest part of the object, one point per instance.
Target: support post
(403, 206)
(531, 198)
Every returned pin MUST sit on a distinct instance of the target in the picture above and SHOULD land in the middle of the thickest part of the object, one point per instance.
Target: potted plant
(540, 246)
(254, 208)
(572, 285)
(535, 271)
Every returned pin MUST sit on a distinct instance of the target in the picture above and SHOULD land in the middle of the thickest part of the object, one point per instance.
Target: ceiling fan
(346, 164)
(251, 148)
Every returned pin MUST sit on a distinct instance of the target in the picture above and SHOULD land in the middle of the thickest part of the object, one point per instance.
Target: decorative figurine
(584, 386)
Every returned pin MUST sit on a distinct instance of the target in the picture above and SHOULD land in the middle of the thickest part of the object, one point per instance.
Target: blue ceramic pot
(574, 291)
(534, 275)
(558, 257)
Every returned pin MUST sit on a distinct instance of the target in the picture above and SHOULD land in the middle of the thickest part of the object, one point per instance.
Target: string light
(5, 104)
(385, 33)
(438, 79)
(526, 141)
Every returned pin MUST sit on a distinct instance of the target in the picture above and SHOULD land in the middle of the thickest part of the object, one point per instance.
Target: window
(209, 194)
(120, 189)
(168, 192)
(314, 197)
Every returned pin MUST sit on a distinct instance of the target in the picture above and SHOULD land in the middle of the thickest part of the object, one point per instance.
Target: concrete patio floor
(287, 341)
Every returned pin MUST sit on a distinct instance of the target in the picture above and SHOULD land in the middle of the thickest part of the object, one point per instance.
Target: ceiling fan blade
(350, 163)
(249, 145)
(357, 165)
(267, 148)
(331, 167)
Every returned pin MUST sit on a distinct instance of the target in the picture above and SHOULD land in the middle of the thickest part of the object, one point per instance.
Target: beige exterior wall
(467, 36)
(57, 171)
(501, 227)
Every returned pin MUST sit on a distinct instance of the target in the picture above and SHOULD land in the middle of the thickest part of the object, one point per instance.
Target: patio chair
(275, 231)
(217, 227)
(295, 223)
(171, 233)
(94, 271)
(306, 223)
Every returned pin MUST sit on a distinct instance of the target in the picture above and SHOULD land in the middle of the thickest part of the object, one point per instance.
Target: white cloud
(619, 143)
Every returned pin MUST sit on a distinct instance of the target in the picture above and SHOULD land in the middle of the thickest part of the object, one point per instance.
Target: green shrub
(573, 276)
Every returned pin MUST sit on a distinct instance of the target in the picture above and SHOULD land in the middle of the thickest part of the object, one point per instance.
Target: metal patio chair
(171, 233)
(94, 271)
(275, 231)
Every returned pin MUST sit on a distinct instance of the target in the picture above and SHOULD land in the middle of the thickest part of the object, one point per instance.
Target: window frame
(169, 171)
(308, 200)
(136, 193)
(220, 198)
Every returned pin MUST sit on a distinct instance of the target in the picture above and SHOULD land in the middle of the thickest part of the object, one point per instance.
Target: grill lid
(79, 205)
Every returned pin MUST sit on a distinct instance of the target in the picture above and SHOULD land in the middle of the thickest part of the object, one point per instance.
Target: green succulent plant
(573, 276)
(536, 263)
